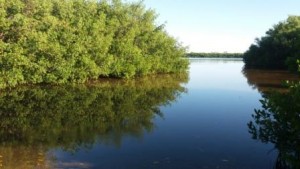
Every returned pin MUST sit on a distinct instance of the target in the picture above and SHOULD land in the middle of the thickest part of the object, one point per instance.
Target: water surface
(195, 120)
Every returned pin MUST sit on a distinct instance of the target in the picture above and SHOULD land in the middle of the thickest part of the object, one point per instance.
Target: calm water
(195, 120)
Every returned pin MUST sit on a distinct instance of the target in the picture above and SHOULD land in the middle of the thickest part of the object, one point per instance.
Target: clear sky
(220, 25)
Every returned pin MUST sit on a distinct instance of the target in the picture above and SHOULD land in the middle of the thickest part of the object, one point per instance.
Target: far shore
(214, 55)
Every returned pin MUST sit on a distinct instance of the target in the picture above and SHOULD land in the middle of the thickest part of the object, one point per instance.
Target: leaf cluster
(278, 49)
(72, 41)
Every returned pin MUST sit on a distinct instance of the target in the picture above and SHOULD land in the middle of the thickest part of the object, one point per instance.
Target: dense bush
(61, 41)
(278, 49)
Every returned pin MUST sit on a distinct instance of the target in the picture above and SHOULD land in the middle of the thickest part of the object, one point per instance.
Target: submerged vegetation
(278, 49)
(214, 55)
(63, 41)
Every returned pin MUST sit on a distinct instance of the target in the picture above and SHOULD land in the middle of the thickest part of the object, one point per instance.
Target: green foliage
(63, 41)
(278, 123)
(73, 117)
(279, 49)
(214, 55)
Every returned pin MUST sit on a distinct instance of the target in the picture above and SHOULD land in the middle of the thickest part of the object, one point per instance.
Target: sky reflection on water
(159, 122)
(204, 128)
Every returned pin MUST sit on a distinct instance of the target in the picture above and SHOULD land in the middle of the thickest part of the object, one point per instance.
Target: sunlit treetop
(63, 41)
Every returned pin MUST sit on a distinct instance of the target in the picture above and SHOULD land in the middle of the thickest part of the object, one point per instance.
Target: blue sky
(220, 25)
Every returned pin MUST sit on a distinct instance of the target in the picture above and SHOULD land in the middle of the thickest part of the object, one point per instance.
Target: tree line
(214, 55)
(72, 41)
(278, 49)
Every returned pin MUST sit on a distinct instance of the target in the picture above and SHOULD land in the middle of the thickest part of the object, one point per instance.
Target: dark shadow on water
(267, 80)
(34, 120)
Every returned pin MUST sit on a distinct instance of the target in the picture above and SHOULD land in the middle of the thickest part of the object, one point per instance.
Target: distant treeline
(214, 55)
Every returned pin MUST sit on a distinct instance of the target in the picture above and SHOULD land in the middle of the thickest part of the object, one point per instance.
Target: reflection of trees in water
(215, 60)
(278, 122)
(23, 157)
(266, 80)
(79, 116)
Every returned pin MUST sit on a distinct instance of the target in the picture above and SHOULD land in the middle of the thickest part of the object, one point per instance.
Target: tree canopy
(278, 49)
(63, 41)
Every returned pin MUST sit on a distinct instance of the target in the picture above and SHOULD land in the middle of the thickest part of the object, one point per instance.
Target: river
(194, 120)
